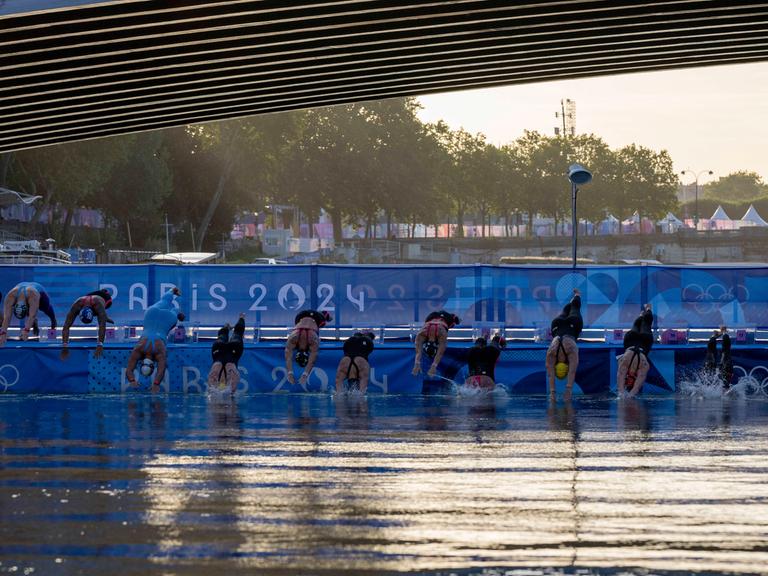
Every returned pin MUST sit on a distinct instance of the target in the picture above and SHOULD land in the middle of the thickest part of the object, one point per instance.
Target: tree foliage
(741, 186)
(357, 162)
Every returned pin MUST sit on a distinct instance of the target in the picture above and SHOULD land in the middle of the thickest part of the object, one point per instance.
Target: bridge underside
(95, 69)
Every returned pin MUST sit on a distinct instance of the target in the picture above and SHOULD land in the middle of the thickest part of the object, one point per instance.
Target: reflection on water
(349, 484)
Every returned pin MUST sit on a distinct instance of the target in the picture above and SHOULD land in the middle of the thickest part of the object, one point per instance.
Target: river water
(312, 484)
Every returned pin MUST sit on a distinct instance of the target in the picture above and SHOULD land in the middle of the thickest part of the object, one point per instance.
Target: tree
(137, 187)
(741, 186)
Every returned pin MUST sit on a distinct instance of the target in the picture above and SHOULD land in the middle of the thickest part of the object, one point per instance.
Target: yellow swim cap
(561, 370)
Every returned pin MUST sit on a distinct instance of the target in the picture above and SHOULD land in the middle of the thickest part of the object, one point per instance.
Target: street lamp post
(578, 175)
(696, 176)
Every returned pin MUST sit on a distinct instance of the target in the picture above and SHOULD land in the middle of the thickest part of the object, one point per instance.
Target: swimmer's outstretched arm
(161, 358)
(364, 369)
(33, 300)
(69, 320)
(419, 343)
(550, 364)
(314, 346)
(341, 373)
(442, 344)
(290, 346)
(132, 361)
(573, 364)
(621, 376)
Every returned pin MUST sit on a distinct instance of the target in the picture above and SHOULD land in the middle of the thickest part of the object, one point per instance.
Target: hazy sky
(713, 118)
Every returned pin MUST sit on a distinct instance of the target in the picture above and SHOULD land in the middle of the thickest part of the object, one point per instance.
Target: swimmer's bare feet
(576, 292)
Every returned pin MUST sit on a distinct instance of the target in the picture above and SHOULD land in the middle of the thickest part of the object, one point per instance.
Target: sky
(713, 118)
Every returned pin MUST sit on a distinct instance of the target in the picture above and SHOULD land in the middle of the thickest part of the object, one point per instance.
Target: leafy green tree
(736, 187)
(136, 189)
(68, 176)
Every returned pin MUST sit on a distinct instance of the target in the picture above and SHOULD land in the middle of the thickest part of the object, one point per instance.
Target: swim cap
(561, 370)
(86, 315)
(146, 367)
(20, 310)
(430, 348)
(301, 357)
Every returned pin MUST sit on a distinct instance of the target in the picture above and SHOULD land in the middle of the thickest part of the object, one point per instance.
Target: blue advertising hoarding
(695, 297)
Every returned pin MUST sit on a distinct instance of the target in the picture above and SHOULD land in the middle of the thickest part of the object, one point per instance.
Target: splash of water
(498, 391)
(708, 384)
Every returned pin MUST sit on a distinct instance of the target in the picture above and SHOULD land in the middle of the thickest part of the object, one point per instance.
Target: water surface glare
(312, 484)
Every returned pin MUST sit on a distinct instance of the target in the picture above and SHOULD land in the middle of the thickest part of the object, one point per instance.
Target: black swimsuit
(229, 350)
(357, 346)
(569, 322)
(482, 361)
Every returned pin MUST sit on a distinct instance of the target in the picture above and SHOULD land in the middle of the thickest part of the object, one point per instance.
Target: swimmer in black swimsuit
(226, 353)
(725, 368)
(353, 368)
(303, 343)
(482, 360)
(563, 353)
(633, 364)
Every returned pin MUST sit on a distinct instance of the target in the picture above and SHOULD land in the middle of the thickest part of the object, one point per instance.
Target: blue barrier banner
(38, 368)
(524, 296)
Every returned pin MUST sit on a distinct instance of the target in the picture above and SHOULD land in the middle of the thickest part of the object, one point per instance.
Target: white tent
(753, 217)
(720, 214)
(670, 223)
(610, 225)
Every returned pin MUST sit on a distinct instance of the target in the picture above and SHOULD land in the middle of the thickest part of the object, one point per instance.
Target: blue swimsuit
(158, 321)
(45, 302)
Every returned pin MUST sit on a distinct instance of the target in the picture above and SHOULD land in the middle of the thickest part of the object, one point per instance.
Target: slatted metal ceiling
(130, 65)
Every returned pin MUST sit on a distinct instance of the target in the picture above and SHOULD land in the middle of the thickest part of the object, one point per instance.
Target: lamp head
(579, 175)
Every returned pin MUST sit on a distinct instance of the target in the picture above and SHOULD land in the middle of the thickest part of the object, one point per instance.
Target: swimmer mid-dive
(563, 353)
(93, 304)
(633, 364)
(226, 352)
(159, 319)
(303, 343)
(353, 370)
(481, 362)
(24, 301)
(724, 370)
(432, 339)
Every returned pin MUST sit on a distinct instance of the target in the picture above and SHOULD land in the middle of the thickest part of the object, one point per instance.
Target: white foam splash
(707, 384)
(498, 391)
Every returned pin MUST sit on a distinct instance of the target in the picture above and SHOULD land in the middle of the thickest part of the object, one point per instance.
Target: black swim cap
(301, 357)
(430, 348)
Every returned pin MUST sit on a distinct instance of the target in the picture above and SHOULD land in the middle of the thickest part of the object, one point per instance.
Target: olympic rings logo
(756, 381)
(708, 299)
(9, 376)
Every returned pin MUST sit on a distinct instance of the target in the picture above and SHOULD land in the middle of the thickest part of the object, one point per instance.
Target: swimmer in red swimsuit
(481, 360)
(303, 343)
(93, 304)
(432, 339)
(633, 364)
